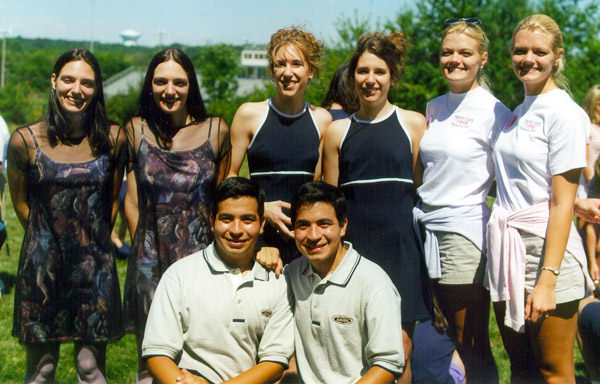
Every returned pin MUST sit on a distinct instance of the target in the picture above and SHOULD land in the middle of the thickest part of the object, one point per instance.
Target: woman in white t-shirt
(456, 153)
(536, 261)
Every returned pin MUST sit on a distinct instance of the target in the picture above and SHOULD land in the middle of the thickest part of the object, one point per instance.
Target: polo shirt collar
(344, 270)
(216, 264)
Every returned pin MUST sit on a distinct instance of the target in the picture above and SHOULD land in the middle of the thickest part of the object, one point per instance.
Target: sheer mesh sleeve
(119, 146)
(19, 148)
(222, 144)
(133, 138)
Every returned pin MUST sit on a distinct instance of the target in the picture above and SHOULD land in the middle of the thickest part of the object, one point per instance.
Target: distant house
(254, 62)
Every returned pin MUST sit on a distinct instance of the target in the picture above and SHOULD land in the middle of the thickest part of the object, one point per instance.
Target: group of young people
(402, 195)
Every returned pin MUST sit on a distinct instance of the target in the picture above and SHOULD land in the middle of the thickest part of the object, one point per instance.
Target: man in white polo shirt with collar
(347, 310)
(217, 316)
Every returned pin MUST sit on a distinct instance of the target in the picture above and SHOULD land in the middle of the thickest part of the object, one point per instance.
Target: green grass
(121, 356)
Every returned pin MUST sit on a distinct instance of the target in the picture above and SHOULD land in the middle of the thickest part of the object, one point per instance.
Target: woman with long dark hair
(177, 155)
(64, 175)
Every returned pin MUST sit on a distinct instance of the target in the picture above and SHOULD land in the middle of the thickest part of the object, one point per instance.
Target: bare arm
(331, 150)
(416, 124)
(163, 369)
(119, 151)
(377, 375)
(223, 148)
(265, 372)
(542, 299)
(323, 119)
(17, 163)
(245, 123)
(131, 198)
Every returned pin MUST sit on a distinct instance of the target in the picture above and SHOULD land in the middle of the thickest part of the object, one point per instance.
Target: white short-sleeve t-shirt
(546, 138)
(456, 148)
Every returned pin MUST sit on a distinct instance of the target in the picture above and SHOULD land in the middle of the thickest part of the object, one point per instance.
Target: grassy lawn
(121, 356)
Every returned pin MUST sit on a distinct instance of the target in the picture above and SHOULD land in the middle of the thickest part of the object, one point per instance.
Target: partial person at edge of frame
(177, 155)
(341, 100)
(282, 136)
(456, 153)
(64, 174)
(530, 227)
(372, 156)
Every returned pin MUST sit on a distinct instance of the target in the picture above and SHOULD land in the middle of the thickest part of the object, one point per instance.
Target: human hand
(588, 209)
(540, 303)
(189, 378)
(269, 258)
(275, 216)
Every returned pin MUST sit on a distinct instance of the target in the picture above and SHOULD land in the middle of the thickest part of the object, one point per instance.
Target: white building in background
(130, 37)
(254, 62)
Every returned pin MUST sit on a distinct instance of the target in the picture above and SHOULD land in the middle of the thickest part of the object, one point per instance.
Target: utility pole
(92, 32)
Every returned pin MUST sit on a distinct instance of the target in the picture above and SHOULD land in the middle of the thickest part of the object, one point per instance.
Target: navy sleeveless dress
(67, 286)
(376, 177)
(282, 156)
(175, 189)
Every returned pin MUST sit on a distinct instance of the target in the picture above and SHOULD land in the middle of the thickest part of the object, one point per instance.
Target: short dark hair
(236, 187)
(157, 120)
(319, 192)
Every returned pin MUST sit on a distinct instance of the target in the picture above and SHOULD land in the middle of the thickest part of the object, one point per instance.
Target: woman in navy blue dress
(372, 156)
(282, 135)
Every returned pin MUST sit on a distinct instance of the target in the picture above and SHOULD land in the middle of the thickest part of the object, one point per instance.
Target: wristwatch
(556, 271)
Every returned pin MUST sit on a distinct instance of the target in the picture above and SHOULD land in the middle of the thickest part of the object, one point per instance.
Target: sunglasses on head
(472, 21)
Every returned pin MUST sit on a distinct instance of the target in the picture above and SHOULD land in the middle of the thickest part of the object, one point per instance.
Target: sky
(189, 22)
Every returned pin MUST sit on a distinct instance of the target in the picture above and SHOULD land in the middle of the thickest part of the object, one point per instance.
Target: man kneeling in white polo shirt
(347, 310)
(217, 316)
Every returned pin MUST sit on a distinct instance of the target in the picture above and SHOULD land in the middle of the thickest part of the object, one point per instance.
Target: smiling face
(75, 86)
(372, 79)
(236, 227)
(170, 88)
(461, 61)
(318, 235)
(534, 60)
(291, 71)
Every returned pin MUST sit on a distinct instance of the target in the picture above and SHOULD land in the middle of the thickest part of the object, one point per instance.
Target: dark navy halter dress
(283, 155)
(376, 177)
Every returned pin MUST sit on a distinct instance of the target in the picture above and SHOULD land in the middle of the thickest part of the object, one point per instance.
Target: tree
(219, 65)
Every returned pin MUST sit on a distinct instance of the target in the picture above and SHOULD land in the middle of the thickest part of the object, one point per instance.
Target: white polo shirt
(548, 137)
(347, 322)
(456, 149)
(205, 323)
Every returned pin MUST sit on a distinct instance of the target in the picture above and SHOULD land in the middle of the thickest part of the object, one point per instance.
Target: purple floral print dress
(175, 189)
(67, 286)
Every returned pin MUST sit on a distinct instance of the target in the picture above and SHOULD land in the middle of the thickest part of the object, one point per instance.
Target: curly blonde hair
(592, 97)
(302, 40)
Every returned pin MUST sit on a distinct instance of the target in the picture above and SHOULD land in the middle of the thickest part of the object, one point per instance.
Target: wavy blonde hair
(303, 40)
(592, 97)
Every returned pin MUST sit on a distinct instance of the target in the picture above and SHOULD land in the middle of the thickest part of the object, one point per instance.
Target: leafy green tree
(219, 65)
(16, 106)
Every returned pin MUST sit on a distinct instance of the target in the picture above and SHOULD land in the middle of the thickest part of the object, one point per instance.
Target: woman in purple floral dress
(176, 156)
(64, 173)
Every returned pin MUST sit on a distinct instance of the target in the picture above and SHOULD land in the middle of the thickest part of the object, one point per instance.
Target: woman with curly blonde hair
(282, 136)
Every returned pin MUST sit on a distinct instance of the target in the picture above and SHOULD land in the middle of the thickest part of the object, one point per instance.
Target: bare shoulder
(217, 121)
(252, 110)
(321, 115)
(415, 121)
(336, 130)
